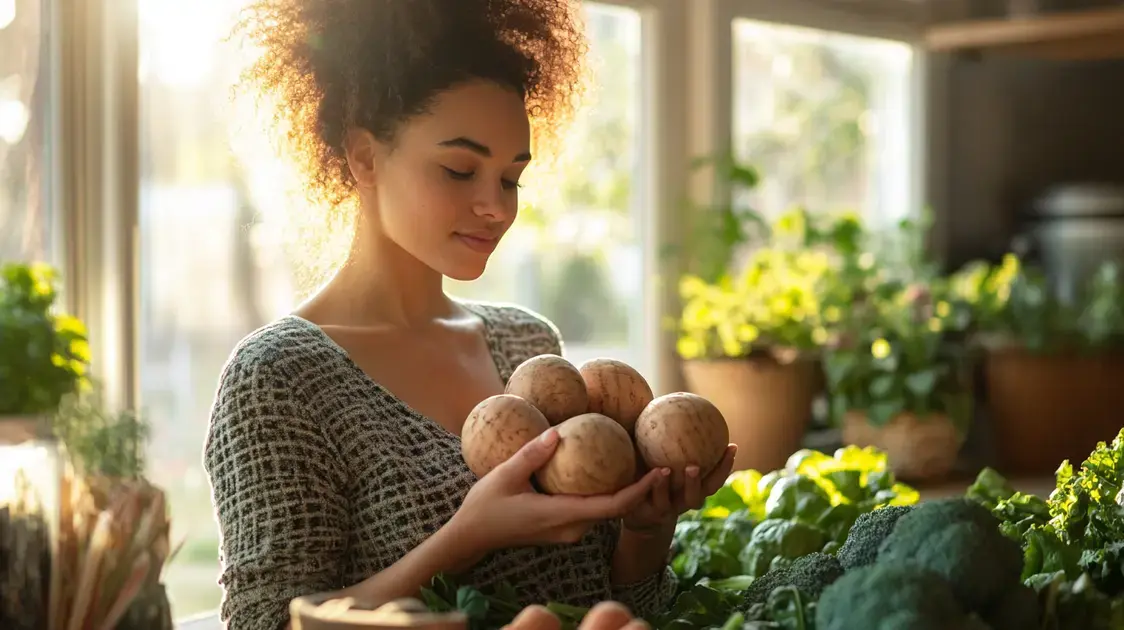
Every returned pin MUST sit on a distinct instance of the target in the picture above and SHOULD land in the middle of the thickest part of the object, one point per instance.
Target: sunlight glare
(180, 40)
(7, 13)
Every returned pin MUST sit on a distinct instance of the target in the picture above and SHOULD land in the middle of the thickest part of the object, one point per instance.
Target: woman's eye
(509, 185)
(455, 174)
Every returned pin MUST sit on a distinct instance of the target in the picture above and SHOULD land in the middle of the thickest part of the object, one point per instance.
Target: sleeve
(276, 488)
(649, 596)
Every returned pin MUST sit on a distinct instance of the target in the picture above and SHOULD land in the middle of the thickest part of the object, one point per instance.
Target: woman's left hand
(663, 505)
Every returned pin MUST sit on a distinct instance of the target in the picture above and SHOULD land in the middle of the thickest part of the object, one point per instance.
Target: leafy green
(1079, 529)
(809, 505)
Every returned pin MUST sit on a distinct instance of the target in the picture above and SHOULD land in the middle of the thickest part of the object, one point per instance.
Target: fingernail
(550, 436)
(665, 472)
(692, 471)
(734, 449)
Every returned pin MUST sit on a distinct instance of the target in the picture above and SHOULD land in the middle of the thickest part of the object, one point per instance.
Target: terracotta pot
(917, 449)
(766, 404)
(1052, 407)
(321, 612)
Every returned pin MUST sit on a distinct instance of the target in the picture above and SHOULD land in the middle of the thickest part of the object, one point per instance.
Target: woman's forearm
(446, 550)
(640, 556)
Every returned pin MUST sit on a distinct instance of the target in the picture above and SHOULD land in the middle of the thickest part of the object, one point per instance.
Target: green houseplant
(43, 354)
(750, 339)
(898, 373)
(1053, 366)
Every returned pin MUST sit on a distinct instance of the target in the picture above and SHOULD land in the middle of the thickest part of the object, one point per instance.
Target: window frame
(896, 20)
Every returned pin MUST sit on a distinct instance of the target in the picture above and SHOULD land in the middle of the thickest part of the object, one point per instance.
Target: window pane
(825, 117)
(212, 264)
(25, 85)
(575, 253)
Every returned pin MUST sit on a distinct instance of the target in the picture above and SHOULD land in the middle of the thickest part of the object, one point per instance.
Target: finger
(606, 616)
(661, 492)
(533, 456)
(632, 496)
(692, 489)
(535, 618)
(717, 478)
(637, 624)
(601, 507)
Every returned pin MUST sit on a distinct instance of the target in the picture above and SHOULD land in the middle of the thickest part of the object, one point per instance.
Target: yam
(594, 456)
(680, 430)
(496, 429)
(616, 390)
(552, 384)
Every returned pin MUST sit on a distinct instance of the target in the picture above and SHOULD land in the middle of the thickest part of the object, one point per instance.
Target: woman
(333, 447)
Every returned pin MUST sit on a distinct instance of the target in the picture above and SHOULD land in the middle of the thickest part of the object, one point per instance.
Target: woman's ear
(362, 149)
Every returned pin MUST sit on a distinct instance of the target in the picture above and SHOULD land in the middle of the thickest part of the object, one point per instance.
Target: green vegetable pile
(835, 543)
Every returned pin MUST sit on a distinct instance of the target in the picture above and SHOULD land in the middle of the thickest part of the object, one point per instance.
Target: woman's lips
(482, 244)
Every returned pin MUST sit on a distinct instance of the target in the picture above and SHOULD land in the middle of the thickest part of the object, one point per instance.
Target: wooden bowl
(327, 612)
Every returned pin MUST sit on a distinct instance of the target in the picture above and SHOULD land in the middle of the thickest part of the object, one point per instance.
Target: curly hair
(331, 65)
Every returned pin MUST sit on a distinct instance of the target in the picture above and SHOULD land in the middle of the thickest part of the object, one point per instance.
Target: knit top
(321, 477)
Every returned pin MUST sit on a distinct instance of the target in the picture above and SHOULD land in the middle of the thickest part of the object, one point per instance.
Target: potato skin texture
(496, 429)
(552, 384)
(594, 456)
(680, 430)
(617, 390)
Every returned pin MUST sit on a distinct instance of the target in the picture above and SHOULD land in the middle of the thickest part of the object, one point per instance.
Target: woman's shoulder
(520, 326)
(289, 345)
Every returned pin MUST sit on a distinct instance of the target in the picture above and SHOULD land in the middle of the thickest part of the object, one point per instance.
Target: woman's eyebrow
(482, 149)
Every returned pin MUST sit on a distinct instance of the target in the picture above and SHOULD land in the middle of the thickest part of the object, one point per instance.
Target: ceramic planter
(767, 404)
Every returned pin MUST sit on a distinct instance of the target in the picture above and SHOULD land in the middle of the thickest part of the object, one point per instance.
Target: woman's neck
(380, 284)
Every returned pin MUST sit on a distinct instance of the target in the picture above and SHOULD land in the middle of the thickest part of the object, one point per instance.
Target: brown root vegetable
(616, 390)
(552, 384)
(594, 456)
(680, 430)
(496, 429)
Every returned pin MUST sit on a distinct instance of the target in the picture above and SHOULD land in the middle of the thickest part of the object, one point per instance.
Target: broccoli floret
(811, 574)
(959, 540)
(868, 532)
(1016, 609)
(888, 597)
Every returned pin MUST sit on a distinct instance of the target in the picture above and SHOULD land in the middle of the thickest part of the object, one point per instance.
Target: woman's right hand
(504, 510)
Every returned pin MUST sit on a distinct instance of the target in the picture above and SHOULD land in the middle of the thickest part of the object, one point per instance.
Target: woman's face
(447, 191)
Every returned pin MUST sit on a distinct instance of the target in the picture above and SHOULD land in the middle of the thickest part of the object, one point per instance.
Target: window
(25, 131)
(214, 265)
(575, 254)
(825, 117)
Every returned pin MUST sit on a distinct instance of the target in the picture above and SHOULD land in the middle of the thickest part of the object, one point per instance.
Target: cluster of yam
(610, 427)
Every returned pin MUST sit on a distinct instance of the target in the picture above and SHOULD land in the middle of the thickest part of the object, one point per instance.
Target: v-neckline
(492, 339)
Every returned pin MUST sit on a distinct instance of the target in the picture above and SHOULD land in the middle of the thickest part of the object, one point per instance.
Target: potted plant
(750, 340)
(43, 357)
(898, 381)
(117, 549)
(43, 354)
(1053, 368)
(898, 373)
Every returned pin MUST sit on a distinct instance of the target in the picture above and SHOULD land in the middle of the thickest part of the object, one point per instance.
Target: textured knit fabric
(321, 478)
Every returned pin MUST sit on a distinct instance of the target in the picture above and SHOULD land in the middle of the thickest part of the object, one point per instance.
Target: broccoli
(810, 574)
(959, 540)
(888, 597)
(868, 532)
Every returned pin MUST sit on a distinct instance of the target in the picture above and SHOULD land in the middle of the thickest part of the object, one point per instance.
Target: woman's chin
(464, 271)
